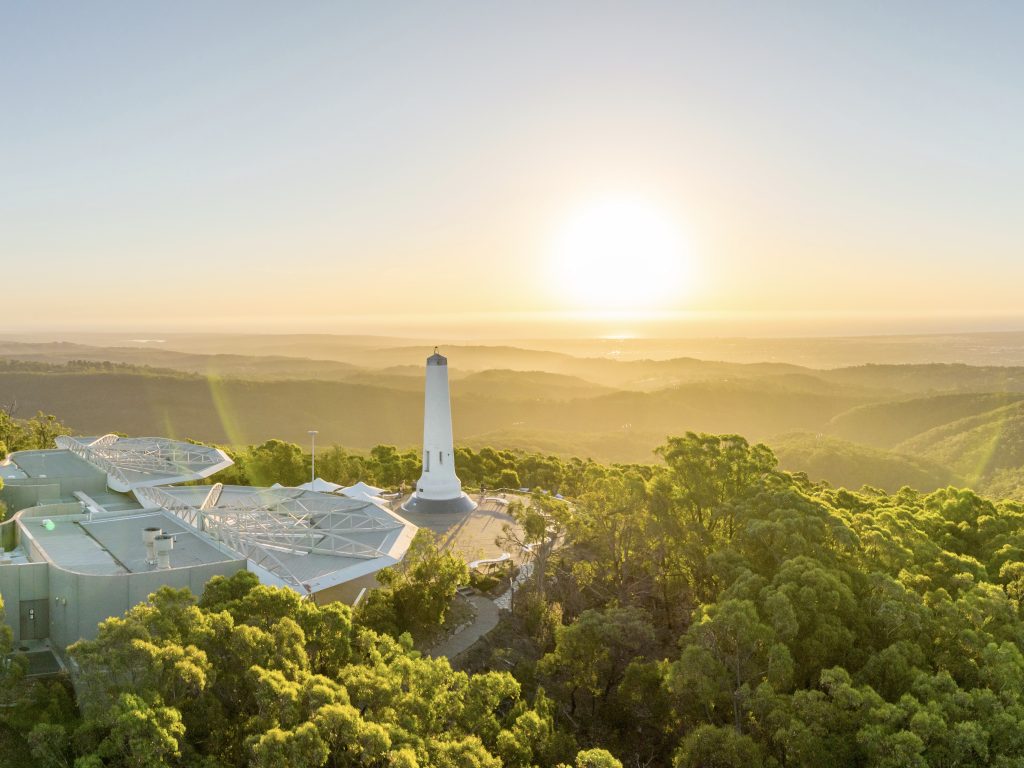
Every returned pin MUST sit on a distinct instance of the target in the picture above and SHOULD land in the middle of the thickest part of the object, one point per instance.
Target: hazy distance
(452, 170)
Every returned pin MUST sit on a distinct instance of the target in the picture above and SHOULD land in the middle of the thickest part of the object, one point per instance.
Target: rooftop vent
(163, 545)
(148, 537)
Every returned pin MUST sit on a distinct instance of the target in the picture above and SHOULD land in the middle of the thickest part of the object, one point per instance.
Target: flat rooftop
(49, 464)
(11, 471)
(112, 501)
(122, 538)
(307, 539)
(69, 546)
(115, 545)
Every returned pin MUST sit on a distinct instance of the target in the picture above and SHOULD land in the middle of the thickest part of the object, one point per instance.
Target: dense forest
(707, 610)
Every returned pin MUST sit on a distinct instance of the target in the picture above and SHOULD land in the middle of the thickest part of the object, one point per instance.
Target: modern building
(98, 524)
(439, 489)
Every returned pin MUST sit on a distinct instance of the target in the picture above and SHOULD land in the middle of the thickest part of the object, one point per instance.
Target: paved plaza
(470, 534)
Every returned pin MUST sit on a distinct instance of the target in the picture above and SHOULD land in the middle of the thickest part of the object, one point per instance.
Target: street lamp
(312, 459)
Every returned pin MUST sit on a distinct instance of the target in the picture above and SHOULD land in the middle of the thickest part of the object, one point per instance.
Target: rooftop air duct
(148, 537)
(163, 544)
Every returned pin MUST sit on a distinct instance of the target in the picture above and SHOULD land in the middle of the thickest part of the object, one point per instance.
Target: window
(426, 461)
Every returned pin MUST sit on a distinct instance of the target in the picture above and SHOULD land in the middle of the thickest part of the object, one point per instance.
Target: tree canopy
(710, 610)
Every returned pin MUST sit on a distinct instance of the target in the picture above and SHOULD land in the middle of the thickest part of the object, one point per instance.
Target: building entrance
(35, 619)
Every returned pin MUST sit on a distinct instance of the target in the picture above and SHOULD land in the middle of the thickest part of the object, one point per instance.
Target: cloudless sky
(323, 165)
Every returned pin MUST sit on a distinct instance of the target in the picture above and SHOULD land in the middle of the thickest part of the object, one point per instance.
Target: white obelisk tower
(439, 488)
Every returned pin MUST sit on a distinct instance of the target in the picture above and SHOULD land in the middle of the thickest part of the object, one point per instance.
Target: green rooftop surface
(69, 545)
(122, 539)
(115, 546)
(114, 501)
(53, 464)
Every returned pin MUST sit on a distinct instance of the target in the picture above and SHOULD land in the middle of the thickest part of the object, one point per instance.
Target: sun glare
(619, 254)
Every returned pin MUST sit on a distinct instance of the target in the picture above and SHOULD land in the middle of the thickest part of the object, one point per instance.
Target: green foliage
(776, 621)
(596, 758)
(416, 593)
(484, 582)
(50, 746)
(34, 716)
(592, 654)
(138, 735)
(387, 466)
(275, 461)
(6, 637)
(709, 746)
(28, 434)
(253, 676)
(710, 611)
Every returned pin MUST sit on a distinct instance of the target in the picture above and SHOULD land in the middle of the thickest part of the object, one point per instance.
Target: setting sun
(591, 384)
(621, 254)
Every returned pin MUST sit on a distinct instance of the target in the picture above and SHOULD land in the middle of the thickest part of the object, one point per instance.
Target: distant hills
(522, 385)
(849, 465)
(975, 447)
(977, 348)
(924, 425)
(886, 424)
(239, 366)
(361, 415)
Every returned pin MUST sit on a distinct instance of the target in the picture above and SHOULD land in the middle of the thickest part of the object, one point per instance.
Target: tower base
(460, 504)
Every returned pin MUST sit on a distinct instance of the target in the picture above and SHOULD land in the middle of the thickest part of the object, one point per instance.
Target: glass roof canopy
(301, 539)
(291, 537)
(137, 462)
(304, 540)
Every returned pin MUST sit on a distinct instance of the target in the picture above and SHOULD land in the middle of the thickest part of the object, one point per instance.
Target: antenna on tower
(435, 350)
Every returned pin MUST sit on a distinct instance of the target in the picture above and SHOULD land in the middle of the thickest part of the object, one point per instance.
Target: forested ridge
(709, 610)
(923, 425)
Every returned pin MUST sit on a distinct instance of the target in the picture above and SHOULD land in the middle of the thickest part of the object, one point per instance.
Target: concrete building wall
(8, 534)
(20, 494)
(347, 592)
(79, 602)
(29, 581)
(96, 483)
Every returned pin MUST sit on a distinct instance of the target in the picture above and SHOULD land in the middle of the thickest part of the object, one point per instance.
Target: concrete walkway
(503, 602)
(486, 620)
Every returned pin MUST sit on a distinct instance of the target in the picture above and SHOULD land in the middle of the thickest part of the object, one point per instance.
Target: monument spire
(439, 488)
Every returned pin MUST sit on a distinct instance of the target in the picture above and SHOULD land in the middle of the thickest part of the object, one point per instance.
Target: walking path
(504, 602)
(486, 619)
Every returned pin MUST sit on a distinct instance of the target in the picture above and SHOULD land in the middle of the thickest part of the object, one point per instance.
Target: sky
(336, 167)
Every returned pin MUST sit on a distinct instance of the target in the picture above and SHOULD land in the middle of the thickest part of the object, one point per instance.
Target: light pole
(312, 459)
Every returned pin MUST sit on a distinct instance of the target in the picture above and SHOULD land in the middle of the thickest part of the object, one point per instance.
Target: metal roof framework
(133, 462)
(270, 526)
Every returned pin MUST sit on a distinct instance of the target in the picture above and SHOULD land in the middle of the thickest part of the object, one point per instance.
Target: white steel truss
(83, 451)
(265, 525)
(151, 460)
